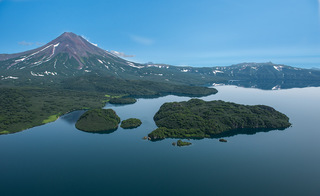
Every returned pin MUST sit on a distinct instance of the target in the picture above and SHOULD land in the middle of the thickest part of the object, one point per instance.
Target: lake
(58, 159)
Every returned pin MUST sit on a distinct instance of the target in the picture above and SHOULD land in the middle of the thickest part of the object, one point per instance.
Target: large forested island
(200, 119)
(98, 120)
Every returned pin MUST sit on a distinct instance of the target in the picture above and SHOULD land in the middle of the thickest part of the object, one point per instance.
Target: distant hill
(71, 55)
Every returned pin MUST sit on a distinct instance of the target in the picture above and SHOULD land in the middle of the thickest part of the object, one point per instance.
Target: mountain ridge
(71, 55)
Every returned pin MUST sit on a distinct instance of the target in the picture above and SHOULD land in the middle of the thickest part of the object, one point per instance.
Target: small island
(98, 120)
(223, 140)
(200, 119)
(182, 143)
(131, 123)
(122, 100)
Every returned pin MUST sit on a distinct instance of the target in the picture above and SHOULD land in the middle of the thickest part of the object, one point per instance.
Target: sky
(176, 32)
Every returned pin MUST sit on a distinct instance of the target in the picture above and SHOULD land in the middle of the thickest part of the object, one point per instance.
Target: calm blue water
(58, 159)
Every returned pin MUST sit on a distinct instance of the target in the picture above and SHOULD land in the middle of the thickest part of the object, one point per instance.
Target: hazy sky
(177, 32)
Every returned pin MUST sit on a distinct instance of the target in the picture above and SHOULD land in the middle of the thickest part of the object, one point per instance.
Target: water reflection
(274, 84)
(244, 132)
(100, 132)
(230, 133)
(72, 117)
(56, 154)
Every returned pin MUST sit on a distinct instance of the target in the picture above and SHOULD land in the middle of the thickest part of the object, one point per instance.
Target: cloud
(121, 54)
(141, 40)
(39, 43)
(24, 43)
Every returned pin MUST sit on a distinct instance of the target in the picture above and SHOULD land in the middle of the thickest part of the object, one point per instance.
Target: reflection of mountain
(274, 84)
(70, 56)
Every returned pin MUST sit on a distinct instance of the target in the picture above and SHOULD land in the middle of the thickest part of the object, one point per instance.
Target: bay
(58, 159)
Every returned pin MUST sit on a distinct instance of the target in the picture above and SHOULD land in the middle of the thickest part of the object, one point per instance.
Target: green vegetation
(4, 132)
(182, 143)
(51, 118)
(131, 123)
(199, 119)
(23, 108)
(112, 85)
(222, 140)
(122, 100)
(114, 96)
(28, 103)
(97, 120)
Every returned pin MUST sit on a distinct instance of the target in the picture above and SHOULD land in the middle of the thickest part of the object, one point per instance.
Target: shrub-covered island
(199, 119)
(98, 120)
(182, 143)
(131, 123)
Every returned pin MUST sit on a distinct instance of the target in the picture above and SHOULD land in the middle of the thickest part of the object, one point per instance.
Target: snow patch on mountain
(50, 73)
(53, 50)
(54, 64)
(36, 74)
(243, 67)
(158, 66)
(39, 51)
(9, 77)
(96, 45)
(277, 87)
(20, 60)
(217, 71)
(133, 65)
(278, 68)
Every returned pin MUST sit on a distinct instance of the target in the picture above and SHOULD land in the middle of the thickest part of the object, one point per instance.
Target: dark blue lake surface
(58, 159)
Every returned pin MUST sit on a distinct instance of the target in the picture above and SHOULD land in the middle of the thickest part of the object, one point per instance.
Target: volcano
(67, 55)
(71, 55)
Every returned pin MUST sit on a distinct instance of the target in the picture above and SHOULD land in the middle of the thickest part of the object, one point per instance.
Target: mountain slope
(71, 55)
(68, 55)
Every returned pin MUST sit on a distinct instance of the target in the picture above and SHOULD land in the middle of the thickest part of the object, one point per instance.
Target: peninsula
(122, 100)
